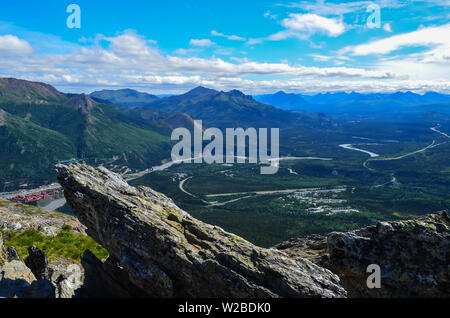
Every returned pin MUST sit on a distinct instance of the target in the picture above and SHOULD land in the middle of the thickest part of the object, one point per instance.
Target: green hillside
(125, 97)
(29, 151)
(36, 133)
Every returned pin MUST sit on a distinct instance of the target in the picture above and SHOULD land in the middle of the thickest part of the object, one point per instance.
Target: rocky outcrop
(164, 252)
(15, 277)
(15, 216)
(35, 278)
(413, 255)
(82, 101)
(159, 250)
(66, 279)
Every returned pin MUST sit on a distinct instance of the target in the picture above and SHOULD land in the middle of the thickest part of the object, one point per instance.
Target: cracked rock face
(167, 253)
(413, 255)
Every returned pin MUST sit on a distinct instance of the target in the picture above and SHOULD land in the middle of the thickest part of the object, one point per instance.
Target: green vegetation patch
(65, 244)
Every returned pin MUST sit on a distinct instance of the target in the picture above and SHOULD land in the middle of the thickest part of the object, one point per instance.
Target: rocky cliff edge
(161, 251)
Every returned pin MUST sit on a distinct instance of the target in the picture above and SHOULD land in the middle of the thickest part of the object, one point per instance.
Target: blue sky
(256, 46)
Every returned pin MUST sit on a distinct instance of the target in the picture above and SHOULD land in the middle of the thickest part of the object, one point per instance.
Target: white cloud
(220, 67)
(431, 37)
(387, 27)
(229, 37)
(429, 61)
(235, 38)
(130, 44)
(270, 15)
(182, 51)
(320, 57)
(215, 33)
(131, 61)
(201, 42)
(255, 41)
(12, 45)
(322, 7)
(303, 26)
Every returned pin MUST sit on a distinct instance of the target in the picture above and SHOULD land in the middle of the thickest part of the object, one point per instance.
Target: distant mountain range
(40, 125)
(225, 109)
(288, 101)
(194, 102)
(352, 103)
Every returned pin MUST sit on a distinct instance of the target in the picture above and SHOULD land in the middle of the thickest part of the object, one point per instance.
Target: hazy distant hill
(283, 100)
(125, 97)
(356, 104)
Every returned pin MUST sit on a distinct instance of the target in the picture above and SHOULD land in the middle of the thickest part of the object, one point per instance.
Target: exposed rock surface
(19, 217)
(35, 278)
(82, 101)
(15, 277)
(413, 255)
(66, 279)
(165, 252)
(158, 250)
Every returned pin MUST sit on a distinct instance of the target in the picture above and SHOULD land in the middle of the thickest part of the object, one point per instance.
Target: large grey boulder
(15, 279)
(165, 252)
(66, 279)
(31, 279)
(413, 256)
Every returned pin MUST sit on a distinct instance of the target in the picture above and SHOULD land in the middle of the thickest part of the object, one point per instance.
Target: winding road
(350, 147)
(432, 145)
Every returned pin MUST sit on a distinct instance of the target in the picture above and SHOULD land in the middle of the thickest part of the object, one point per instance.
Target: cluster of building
(36, 196)
(331, 210)
(323, 200)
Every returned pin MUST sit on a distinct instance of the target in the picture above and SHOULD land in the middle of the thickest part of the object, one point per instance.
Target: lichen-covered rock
(66, 279)
(413, 255)
(15, 279)
(167, 253)
(35, 278)
(3, 252)
(312, 247)
(19, 217)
